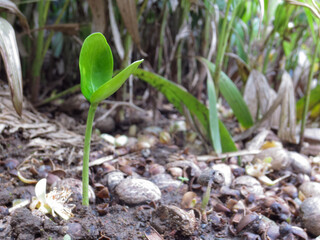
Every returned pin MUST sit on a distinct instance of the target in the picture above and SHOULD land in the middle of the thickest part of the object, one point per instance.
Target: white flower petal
(40, 190)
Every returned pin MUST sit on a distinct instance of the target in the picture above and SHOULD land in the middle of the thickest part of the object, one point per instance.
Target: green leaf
(311, 23)
(282, 17)
(180, 99)
(232, 96)
(95, 63)
(213, 115)
(114, 84)
(314, 100)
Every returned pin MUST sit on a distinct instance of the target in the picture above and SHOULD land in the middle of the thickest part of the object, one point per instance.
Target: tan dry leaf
(115, 31)
(99, 20)
(10, 55)
(128, 11)
(12, 8)
(250, 93)
(287, 121)
(66, 28)
(260, 96)
(277, 109)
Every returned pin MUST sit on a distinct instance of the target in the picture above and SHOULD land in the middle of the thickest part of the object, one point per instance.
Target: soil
(109, 218)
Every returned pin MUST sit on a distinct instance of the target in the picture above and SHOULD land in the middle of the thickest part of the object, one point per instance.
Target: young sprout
(211, 179)
(55, 202)
(97, 83)
(260, 169)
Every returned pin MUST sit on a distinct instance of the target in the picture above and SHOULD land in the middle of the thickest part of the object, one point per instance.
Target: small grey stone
(216, 178)
(280, 157)
(112, 179)
(247, 184)
(168, 217)
(136, 191)
(165, 181)
(300, 163)
(310, 189)
(310, 214)
(195, 170)
(226, 172)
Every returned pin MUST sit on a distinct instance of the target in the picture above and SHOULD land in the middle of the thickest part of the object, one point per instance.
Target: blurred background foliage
(263, 39)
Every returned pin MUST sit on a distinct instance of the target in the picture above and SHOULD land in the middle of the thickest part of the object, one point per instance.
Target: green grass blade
(213, 115)
(179, 98)
(232, 95)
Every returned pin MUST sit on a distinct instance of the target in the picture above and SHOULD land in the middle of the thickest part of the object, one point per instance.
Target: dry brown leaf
(66, 28)
(12, 8)
(10, 55)
(278, 110)
(128, 12)
(257, 88)
(287, 121)
(99, 20)
(115, 31)
(42, 132)
(250, 94)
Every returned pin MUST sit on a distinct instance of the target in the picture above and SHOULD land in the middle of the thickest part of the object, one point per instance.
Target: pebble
(300, 163)
(310, 215)
(280, 157)
(136, 191)
(165, 181)
(75, 185)
(226, 172)
(207, 175)
(248, 185)
(175, 172)
(155, 169)
(195, 170)
(310, 189)
(167, 218)
(112, 179)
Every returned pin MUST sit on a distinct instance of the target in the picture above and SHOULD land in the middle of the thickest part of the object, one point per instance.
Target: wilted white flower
(55, 202)
(260, 169)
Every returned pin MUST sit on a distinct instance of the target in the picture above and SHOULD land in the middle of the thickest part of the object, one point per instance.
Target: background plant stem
(36, 67)
(220, 53)
(86, 152)
(307, 101)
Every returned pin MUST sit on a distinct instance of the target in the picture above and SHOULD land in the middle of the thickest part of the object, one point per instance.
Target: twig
(73, 89)
(116, 104)
(100, 161)
(205, 158)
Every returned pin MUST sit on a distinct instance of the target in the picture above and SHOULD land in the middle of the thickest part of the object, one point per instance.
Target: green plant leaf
(114, 84)
(282, 17)
(95, 63)
(10, 55)
(314, 100)
(180, 99)
(232, 96)
(311, 23)
(213, 115)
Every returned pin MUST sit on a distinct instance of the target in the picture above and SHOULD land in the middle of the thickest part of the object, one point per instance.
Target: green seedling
(97, 83)
(183, 179)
